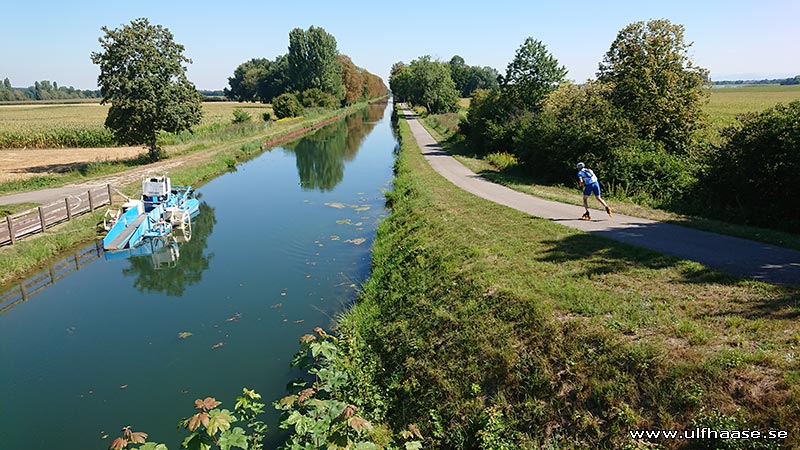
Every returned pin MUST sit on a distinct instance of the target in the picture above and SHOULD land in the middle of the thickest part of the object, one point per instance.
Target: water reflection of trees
(320, 156)
(188, 270)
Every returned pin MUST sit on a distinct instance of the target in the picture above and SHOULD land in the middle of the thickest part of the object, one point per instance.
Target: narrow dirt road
(736, 256)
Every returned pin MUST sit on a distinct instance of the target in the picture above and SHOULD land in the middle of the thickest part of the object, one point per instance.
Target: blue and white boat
(162, 209)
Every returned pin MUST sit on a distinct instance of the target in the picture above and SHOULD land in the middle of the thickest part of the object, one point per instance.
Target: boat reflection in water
(163, 251)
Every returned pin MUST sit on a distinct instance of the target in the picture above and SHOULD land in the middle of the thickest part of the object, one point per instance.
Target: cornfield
(82, 125)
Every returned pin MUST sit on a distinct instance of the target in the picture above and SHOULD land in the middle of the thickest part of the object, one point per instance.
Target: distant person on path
(588, 180)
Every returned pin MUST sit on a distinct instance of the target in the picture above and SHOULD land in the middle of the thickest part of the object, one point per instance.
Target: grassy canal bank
(488, 328)
(202, 159)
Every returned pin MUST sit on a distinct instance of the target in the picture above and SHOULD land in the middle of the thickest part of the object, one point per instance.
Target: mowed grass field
(82, 124)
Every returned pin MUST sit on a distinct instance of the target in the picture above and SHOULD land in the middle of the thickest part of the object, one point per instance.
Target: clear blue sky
(48, 40)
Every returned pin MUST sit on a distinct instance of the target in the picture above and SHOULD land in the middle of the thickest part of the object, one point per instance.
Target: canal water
(281, 245)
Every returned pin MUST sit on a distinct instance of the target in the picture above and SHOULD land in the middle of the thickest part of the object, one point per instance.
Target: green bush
(502, 160)
(240, 116)
(287, 105)
(266, 116)
(316, 98)
(486, 123)
(577, 123)
(753, 176)
(645, 173)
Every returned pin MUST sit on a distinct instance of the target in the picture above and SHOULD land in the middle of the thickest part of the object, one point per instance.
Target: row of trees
(782, 81)
(313, 62)
(640, 125)
(143, 76)
(42, 90)
(438, 85)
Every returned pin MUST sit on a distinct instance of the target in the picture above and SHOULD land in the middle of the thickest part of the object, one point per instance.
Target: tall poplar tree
(313, 63)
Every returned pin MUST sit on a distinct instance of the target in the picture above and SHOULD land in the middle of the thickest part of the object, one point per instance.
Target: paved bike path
(733, 255)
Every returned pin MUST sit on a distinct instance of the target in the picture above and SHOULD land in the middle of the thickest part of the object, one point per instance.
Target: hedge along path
(736, 256)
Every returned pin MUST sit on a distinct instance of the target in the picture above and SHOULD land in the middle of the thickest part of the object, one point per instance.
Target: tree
(374, 86)
(353, 80)
(143, 77)
(275, 81)
(313, 63)
(532, 75)
(460, 72)
(400, 81)
(246, 78)
(480, 78)
(655, 83)
(431, 86)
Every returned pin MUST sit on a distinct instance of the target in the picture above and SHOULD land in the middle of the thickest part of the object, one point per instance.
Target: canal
(92, 344)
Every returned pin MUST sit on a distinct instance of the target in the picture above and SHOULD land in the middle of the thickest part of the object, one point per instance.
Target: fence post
(110, 198)
(11, 230)
(91, 201)
(41, 219)
(69, 211)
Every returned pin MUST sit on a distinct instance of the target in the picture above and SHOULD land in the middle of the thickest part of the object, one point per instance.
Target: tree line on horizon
(313, 72)
(781, 81)
(43, 90)
(640, 125)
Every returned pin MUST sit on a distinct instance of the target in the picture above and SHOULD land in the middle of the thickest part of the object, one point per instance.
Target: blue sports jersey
(587, 176)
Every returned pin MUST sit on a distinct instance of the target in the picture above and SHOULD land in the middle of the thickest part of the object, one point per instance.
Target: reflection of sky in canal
(278, 249)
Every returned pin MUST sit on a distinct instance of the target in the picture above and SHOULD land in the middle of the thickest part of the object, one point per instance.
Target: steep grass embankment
(488, 328)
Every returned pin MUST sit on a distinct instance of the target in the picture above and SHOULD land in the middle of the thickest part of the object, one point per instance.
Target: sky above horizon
(734, 39)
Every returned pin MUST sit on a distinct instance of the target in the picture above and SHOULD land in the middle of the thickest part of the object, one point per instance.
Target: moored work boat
(162, 209)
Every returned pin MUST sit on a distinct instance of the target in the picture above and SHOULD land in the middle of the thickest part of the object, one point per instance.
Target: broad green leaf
(232, 438)
(324, 348)
(152, 446)
(196, 441)
(220, 420)
(293, 418)
(366, 446)
(286, 402)
(413, 445)
(251, 393)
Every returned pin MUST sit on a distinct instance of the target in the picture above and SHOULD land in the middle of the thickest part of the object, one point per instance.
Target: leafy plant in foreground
(210, 427)
(317, 411)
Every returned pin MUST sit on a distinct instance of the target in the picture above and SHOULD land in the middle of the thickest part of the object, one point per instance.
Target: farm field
(728, 102)
(81, 124)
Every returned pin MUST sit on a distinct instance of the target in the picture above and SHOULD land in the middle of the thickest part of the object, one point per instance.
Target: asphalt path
(733, 255)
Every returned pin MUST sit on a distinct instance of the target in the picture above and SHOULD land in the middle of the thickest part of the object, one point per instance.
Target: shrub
(240, 116)
(502, 160)
(266, 116)
(754, 175)
(287, 105)
(316, 98)
(577, 123)
(644, 172)
(486, 118)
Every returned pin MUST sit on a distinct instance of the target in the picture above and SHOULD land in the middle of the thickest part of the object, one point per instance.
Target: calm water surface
(278, 248)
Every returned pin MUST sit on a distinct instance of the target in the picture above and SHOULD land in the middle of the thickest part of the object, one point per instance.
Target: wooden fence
(37, 220)
(24, 289)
